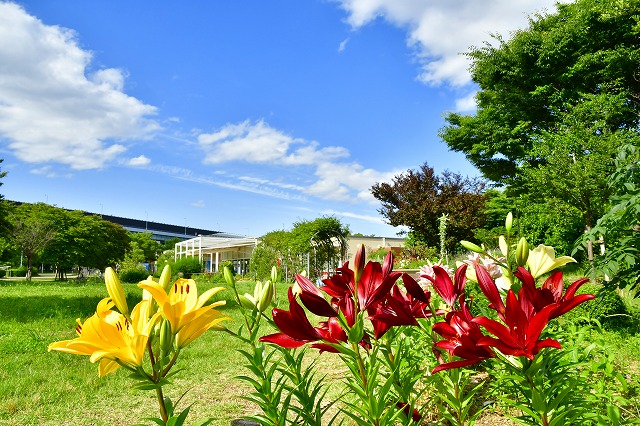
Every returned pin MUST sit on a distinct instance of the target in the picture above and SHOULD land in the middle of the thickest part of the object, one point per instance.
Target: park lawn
(42, 388)
(53, 388)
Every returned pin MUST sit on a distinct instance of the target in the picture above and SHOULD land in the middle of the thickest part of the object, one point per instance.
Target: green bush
(187, 266)
(133, 275)
(608, 308)
(19, 271)
(2, 273)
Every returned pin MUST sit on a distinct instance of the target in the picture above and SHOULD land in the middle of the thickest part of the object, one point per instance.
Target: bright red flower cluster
(522, 316)
(371, 289)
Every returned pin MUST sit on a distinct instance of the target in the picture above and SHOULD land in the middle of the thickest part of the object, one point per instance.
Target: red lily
(520, 335)
(376, 282)
(449, 291)
(340, 286)
(396, 310)
(551, 292)
(313, 299)
(462, 336)
(331, 332)
(490, 290)
(296, 330)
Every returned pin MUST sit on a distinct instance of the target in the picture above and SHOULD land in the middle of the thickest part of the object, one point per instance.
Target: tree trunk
(28, 274)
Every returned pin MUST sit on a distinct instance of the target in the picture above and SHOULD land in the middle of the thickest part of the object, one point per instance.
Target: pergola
(213, 250)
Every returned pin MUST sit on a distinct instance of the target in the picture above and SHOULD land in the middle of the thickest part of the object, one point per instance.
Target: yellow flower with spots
(111, 338)
(184, 309)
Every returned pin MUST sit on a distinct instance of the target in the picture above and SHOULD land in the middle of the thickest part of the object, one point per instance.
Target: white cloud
(198, 204)
(51, 108)
(441, 30)
(363, 217)
(260, 143)
(49, 172)
(138, 161)
(327, 173)
(347, 182)
(466, 104)
(343, 45)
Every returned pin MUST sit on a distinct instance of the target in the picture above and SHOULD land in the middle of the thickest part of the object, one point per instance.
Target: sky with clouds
(242, 116)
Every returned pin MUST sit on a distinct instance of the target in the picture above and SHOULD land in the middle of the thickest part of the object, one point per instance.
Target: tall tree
(585, 54)
(313, 246)
(417, 199)
(32, 230)
(151, 249)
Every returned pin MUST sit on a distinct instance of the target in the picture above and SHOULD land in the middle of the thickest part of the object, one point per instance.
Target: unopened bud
(228, 277)
(359, 262)
(115, 290)
(246, 302)
(166, 337)
(267, 294)
(471, 246)
(274, 274)
(504, 248)
(257, 291)
(522, 252)
(508, 223)
(165, 278)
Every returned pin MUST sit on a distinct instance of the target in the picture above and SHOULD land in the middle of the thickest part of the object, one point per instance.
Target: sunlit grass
(42, 388)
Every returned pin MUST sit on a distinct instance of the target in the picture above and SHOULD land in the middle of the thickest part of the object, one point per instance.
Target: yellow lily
(112, 339)
(543, 259)
(182, 307)
(116, 292)
(195, 328)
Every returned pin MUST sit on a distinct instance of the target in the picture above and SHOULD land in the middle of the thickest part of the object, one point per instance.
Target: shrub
(608, 308)
(187, 266)
(133, 275)
(19, 271)
(2, 273)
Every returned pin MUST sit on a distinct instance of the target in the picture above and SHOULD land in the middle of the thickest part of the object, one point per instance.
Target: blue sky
(241, 116)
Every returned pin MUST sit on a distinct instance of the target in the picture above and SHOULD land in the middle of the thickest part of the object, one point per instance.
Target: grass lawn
(53, 388)
(42, 388)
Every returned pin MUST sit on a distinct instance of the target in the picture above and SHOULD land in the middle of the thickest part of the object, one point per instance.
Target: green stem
(163, 408)
(173, 361)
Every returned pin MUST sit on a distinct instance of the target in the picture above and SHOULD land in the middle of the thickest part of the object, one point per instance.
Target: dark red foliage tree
(418, 198)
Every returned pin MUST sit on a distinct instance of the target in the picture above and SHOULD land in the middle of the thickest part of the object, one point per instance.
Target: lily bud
(504, 248)
(257, 291)
(165, 278)
(115, 290)
(471, 246)
(522, 252)
(228, 277)
(267, 295)
(274, 274)
(246, 302)
(358, 262)
(166, 337)
(508, 223)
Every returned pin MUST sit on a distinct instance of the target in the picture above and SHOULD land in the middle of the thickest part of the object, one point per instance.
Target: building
(212, 250)
(160, 232)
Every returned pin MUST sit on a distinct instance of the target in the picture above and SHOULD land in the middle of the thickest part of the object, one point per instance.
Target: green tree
(417, 199)
(32, 230)
(314, 246)
(84, 241)
(619, 227)
(585, 54)
(151, 249)
(5, 207)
